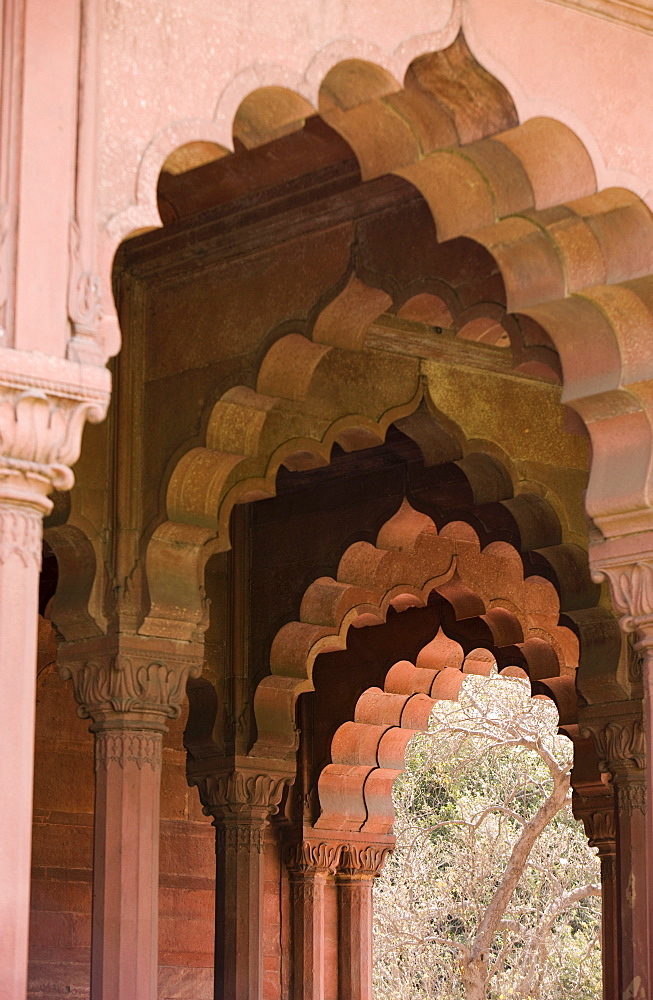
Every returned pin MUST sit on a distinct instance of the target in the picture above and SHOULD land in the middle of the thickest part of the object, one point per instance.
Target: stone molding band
(141, 749)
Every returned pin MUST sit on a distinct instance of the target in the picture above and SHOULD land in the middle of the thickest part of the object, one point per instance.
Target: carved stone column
(360, 864)
(597, 813)
(241, 800)
(309, 863)
(129, 686)
(626, 562)
(43, 408)
(622, 754)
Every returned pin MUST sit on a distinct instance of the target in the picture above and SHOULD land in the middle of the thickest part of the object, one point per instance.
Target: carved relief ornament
(44, 405)
(128, 685)
(141, 749)
(310, 856)
(597, 814)
(246, 793)
(363, 860)
(631, 589)
(621, 747)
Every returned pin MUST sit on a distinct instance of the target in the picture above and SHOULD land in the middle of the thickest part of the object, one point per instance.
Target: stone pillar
(241, 801)
(360, 864)
(20, 560)
(626, 562)
(309, 863)
(129, 686)
(43, 409)
(597, 813)
(622, 754)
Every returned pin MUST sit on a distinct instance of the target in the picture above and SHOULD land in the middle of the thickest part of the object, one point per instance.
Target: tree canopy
(492, 892)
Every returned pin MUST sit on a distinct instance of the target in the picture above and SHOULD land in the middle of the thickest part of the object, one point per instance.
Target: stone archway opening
(491, 887)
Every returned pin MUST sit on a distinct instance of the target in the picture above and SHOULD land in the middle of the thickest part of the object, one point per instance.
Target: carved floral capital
(621, 746)
(313, 857)
(362, 861)
(44, 405)
(248, 793)
(631, 590)
(597, 814)
(129, 682)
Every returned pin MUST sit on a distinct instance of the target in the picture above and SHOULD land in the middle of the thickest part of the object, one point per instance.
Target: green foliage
(487, 765)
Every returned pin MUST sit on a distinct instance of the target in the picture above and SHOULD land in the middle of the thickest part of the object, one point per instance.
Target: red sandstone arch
(409, 562)
(573, 265)
(368, 752)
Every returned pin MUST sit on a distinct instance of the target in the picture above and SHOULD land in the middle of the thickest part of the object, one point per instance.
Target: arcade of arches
(381, 391)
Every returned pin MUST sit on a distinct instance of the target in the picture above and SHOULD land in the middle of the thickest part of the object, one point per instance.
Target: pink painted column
(359, 866)
(310, 864)
(20, 560)
(241, 801)
(129, 686)
(42, 415)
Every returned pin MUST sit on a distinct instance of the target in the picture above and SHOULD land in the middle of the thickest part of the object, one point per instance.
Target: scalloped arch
(576, 267)
(409, 562)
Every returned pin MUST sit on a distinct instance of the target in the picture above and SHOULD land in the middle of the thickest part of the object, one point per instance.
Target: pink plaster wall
(594, 75)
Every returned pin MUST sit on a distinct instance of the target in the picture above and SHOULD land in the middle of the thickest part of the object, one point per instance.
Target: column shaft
(307, 890)
(129, 685)
(239, 908)
(310, 863)
(241, 796)
(20, 559)
(609, 925)
(355, 936)
(360, 863)
(126, 866)
(632, 886)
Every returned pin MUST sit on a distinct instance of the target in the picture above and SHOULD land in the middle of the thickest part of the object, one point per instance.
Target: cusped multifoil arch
(575, 270)
(518, 616)
(309, 396)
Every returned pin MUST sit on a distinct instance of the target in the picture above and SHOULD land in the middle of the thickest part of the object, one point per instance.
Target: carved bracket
(129, 682)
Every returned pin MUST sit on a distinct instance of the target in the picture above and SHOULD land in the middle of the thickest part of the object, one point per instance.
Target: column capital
(313, 857)
(237, 789)
(620, 740)
(597, 813)
(44, 404)
(627, 565)
(129, 682)
(362, 861)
